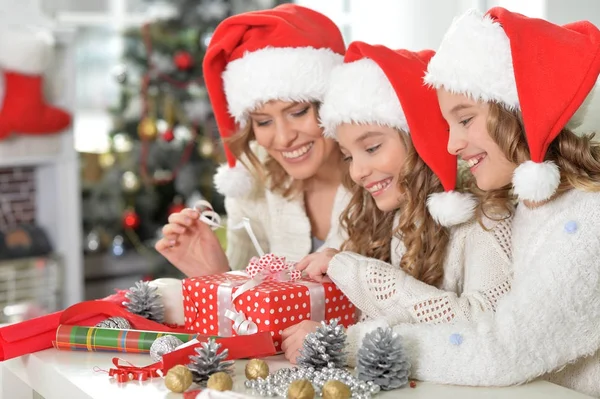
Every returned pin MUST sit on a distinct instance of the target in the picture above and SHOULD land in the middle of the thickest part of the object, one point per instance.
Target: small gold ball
(220, 381)
(178, 379)
(301, 389)
(336, 390)
(257, 368)
(147, 129)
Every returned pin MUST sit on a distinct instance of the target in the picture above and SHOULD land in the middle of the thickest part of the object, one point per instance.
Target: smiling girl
(398, 262)
(266, 73)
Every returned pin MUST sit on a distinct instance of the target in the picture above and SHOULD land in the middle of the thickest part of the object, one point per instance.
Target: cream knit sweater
(546, 326)
(281, 226)
(477, 272)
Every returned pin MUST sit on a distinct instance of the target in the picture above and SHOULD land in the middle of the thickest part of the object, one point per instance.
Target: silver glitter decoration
(209, 361)
(144, 301)
(325, 347)
(163, 345)
(277, 384)
(115, 322)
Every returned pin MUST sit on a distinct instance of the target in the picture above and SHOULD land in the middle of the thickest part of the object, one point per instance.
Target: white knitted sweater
(281, 226)
(476, 274)
(546, 326)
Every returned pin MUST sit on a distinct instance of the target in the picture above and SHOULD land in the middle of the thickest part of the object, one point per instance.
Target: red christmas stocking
(23, 58)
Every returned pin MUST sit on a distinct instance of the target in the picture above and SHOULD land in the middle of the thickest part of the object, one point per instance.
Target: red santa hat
(377, 85)
(285, 53)
(544, 70)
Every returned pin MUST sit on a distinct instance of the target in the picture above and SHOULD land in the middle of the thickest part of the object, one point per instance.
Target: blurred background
(81, 206)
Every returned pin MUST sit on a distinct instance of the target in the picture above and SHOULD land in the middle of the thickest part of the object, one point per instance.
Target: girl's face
(470, 140)
(291, 134)
(375, 156)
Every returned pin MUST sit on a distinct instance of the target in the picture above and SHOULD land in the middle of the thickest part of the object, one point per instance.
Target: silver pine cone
(382, 359)
(144, 301)
(325, 347)
(208, 361)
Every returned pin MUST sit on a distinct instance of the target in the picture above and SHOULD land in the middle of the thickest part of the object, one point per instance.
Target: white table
(54, 374)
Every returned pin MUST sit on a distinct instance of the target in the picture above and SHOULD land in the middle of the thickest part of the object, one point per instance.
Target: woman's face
(375, 156)
(470, 140)
(291, 134)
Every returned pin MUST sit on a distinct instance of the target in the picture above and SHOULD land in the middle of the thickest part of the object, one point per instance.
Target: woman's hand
(315, 265)
(293, 338)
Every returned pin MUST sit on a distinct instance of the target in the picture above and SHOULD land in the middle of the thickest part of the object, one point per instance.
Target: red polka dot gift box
(269, 296)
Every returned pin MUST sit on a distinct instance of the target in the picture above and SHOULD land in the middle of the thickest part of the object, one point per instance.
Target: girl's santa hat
(377, 85)
(544, 70)
(285, 53)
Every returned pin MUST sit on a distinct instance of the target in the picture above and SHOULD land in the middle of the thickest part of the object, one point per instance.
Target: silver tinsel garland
(325, 347)
(277, 384)
(144, 301)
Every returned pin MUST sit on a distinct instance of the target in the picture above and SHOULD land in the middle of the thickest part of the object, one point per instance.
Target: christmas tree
(165, 146)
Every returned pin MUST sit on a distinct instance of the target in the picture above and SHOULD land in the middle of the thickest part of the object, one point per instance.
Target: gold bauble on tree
(301, 389)
(256, 368)
(147, 129)
(178, 379)
(334, 389)
(220, 381)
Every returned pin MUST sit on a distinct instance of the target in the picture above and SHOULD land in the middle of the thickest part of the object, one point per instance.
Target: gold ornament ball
(301, 389)
(220, 381)
(147, 129)
(178, 379)
(106, 160)
(334, 389)
(257, 368)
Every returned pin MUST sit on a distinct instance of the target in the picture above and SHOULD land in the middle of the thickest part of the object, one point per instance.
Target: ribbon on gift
(129, 372)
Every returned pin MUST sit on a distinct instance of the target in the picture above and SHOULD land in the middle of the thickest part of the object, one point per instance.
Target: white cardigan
(477, 272)
(281, 226)
(547, 326)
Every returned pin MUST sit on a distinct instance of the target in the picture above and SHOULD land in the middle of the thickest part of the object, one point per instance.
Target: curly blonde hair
(370, 230)
(577, 157)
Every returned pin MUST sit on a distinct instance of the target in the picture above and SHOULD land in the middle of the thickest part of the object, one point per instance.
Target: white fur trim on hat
(287, 74)
(451, 207)
(233, 182)
(26, 50)
(475, 60)
(360, 92)
(536, 181)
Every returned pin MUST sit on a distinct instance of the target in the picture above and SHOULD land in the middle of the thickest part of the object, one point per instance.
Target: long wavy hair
(370, 230)
(577, 157)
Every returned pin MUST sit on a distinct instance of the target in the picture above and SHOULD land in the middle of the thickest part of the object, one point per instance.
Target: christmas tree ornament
(163, 345)
(122, 143)
(256, 368)
(177, 205)
(178, 379)
(130, 183)
(168, 135)
(182, 133)
(143, 300)
(120, 73)
(382, 359)
(209, 361)
(92, 242)
(206, 148)
(147, 129)
(131, 220)
(118, 245)
(220, 381)
(324, 347)
(336, 390)
(301, 389)
(106, 160)
(119, 323)
(183, 60)
(26, 55)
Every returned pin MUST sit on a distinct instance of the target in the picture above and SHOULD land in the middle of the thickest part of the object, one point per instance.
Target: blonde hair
(268, 171)
(577, 157)
(370, 230)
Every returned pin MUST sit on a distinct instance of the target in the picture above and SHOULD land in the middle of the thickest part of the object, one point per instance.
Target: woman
(266, 73)
(391, 134)
(509, 86)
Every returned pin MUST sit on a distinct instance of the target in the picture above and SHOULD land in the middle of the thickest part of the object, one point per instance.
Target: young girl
(508, 86)
(266, 73)
(394, 140)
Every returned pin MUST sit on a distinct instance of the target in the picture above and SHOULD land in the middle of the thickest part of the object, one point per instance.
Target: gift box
(213, 304)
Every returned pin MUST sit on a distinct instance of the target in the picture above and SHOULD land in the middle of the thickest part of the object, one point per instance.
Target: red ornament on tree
(183, 60)
(168, 135)
(131, 220)
(177, 206)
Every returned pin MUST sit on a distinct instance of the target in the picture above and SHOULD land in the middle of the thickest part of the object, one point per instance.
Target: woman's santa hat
(285, 53)
(544, 70)
(377, 85)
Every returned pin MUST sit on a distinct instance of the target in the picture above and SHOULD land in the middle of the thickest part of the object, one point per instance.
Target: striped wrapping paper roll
(96, 339)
